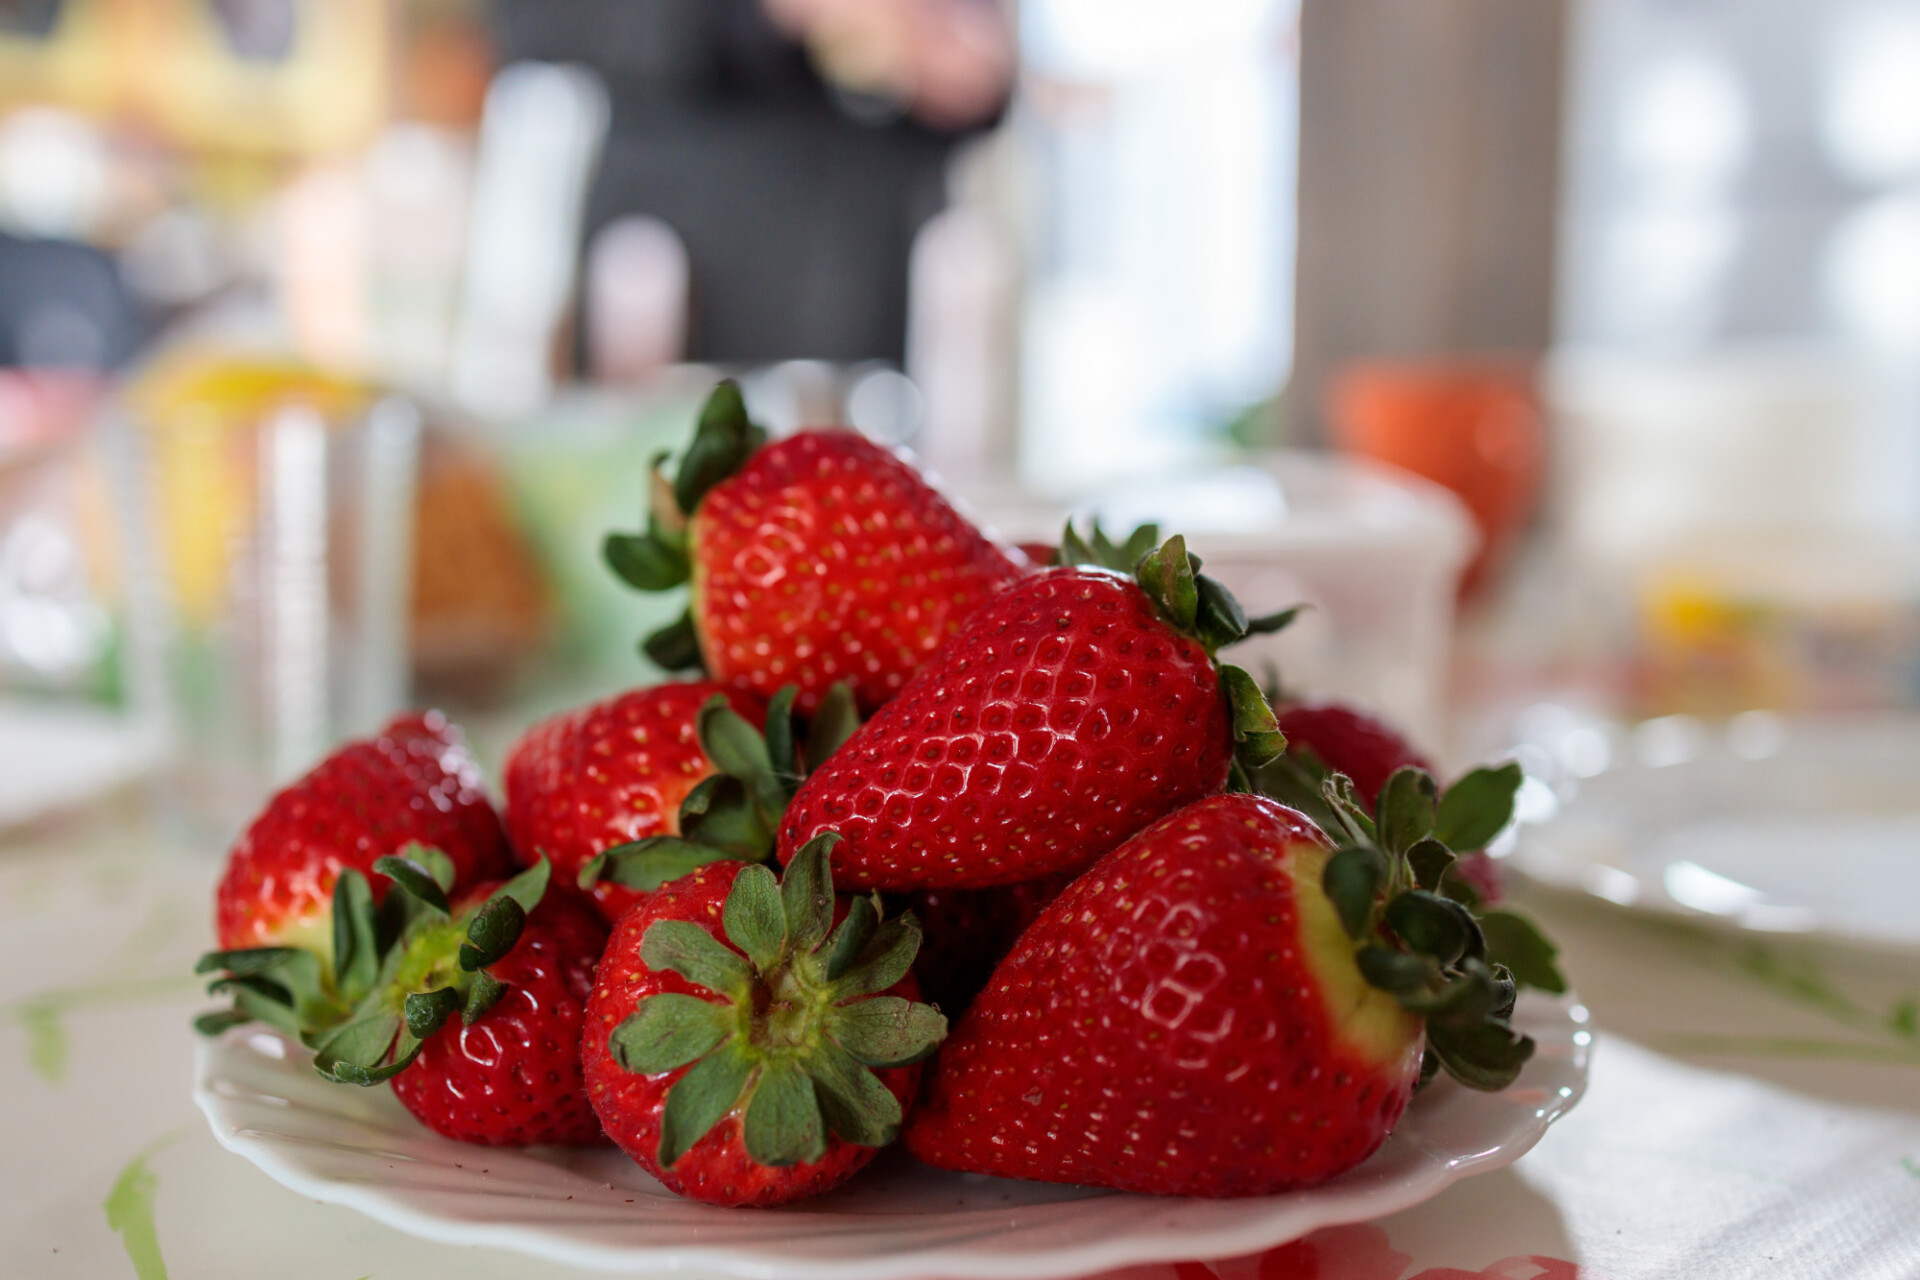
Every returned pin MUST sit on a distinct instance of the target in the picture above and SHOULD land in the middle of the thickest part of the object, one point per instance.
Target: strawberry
(615, 773)
(415, 782)
(1347, 741)
(512, 1078)
(968, 931)
(1075, 708)
(813, 559)
(629, 793)
(744, 1049)
(514, 965)
(1225, 1006)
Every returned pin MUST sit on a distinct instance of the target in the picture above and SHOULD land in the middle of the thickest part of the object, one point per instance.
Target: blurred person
(795, 147)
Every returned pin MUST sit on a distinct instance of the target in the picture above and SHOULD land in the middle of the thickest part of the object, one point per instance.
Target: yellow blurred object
(191, 403)
(1802, 625)
(310, 77)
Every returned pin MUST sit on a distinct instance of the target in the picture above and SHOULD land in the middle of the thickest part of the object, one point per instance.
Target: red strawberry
(1347, 741)
(611, 774)
(414, 782)
(814, 559)
(740, 1051)
(1198, 1015)
(513, 968)
(968, 931)
(512, 1078)
(1075, 708)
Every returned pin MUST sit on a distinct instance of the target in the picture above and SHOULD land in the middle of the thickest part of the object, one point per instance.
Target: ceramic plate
(898, 1220)
(1765, 823)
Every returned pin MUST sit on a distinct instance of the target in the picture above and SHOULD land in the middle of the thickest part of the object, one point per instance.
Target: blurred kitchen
(1562, 355)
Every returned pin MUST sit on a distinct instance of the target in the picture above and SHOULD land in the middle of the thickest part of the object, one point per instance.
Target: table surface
(1754, 1109)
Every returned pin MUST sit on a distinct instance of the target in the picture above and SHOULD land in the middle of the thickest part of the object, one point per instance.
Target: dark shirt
(798, 213)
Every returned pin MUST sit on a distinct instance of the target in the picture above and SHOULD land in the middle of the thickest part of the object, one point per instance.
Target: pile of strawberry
(1072, 903)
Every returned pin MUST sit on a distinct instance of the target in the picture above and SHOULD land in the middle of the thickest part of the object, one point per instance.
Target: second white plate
(898, 1220)
(1768, 824)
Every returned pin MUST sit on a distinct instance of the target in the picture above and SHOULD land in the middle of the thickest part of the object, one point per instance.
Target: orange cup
(1470, 424)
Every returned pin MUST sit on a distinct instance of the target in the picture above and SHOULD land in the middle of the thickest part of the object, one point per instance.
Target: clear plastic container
(1376, 554)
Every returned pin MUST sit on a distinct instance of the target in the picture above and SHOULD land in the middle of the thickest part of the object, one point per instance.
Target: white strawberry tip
(399, 971)
(733, 814)
(798, 1027)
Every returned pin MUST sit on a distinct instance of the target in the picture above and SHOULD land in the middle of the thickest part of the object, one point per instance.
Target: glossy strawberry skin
(513, 1078)
(1164, 1027)
(414, 781)
(1366, 749)
(968, 931)
(1063, 718)
(602, 775)
(716, 1169)
(827, 558)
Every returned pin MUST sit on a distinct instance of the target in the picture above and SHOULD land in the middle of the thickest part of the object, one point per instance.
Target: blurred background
(1565, 354)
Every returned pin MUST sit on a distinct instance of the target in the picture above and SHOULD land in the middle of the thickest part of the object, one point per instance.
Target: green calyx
(1419, 931)
(791, 1026)
(659, 558)
(400, 970)
(1203, 610)
(733, 814)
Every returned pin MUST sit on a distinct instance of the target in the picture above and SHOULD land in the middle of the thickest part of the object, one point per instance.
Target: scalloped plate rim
(1293, 1214)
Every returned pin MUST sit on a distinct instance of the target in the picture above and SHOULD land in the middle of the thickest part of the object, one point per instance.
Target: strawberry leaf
(1166, 573)
(428, 1011)
(481, 996)
(883, 961)
(644, 561)
(888, 1031)
(1476, 808)
(220, 1020)
(353, 1052)
(851, 937)
(1268, 623)
(1256, 731)
(833, 723)
(675, 647)
(806, 892)
(700, 1098)
(648, 864)
(722, 442)
(669, 1031)
(1512, 940)
(856, 1106)
(1219, 620)
(1487, 1057)
(754, 919)
(356, 936)
(491, 934)
(1429, 860)
(1352, 881)
(415, 879)
(1400, 972)
(696, 955)
(1432, 925)
(782, 761)
(1406, 809)
(783, 1125)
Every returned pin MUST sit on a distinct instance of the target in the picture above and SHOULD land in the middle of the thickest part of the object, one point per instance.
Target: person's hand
(948, 62)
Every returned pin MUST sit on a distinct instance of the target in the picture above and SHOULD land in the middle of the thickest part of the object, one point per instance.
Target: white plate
(898, 1220)
(1766, 823)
